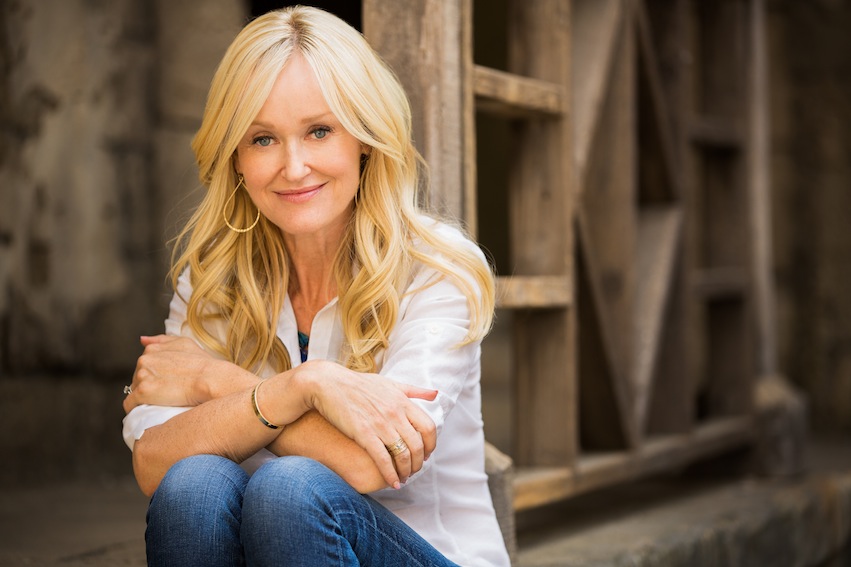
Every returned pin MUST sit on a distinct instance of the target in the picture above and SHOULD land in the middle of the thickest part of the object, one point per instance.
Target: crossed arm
(339, 417)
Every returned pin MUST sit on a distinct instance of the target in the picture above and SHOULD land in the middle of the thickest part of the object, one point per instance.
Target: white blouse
(447, 502)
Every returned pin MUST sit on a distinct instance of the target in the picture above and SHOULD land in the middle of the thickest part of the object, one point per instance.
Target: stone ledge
(749, 523)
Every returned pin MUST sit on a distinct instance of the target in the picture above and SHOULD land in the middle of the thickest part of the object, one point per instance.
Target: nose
(294, 164)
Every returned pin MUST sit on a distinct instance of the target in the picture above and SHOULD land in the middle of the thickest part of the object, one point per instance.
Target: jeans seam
(386, 536)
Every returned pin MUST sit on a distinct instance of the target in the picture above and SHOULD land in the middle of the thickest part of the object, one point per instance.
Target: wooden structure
(621, 207)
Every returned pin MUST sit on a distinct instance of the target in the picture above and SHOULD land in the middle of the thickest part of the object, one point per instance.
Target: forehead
(295, 96)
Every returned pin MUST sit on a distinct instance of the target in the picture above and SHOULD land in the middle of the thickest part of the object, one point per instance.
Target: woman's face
(301, 167)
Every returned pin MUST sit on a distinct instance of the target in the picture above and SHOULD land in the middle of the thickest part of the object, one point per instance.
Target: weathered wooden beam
(541, 208)
(759, 182)
(538, 486)
(534, 292)
(511, 95)
(661, 110)
(421, 41)
(605, 371)
(658, 242)
(608, 227)
(596, 32)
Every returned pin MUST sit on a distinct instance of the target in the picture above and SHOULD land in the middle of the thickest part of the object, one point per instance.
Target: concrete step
(703, 520)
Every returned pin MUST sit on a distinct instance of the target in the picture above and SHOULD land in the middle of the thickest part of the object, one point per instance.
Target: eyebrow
(321, 117)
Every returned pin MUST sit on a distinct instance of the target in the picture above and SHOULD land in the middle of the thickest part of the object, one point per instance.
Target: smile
(300, 195)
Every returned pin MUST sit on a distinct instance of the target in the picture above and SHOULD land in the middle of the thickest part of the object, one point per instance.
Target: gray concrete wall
(76, 210)
(98, 103)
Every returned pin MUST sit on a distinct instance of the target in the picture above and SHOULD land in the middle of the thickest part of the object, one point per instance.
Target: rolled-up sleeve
(425, 350)
(424, 347)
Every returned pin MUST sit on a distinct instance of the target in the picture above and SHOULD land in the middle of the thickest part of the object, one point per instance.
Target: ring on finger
(128, 390)
(397, 447)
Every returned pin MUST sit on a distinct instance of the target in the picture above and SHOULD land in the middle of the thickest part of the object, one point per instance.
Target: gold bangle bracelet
(257, 411)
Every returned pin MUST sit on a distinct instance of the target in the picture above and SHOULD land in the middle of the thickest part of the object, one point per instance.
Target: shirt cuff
(144, 416)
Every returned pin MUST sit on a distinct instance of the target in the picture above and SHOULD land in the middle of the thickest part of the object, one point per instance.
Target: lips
(300, 195)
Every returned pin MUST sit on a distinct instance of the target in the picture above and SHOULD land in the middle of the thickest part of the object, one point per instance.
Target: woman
(323, 340)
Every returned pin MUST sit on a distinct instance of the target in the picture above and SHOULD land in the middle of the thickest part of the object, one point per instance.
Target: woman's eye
(262, 141)
(320, 133)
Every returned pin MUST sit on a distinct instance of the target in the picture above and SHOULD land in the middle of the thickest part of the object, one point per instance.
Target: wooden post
(541, 206)
(426, 43)
(760, 188)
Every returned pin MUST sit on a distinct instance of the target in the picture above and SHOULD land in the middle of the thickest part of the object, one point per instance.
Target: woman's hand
(175, 371)
(374, 412)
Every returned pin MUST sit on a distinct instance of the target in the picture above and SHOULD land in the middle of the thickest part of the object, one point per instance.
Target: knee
(289, 475)
(296, 482)
(198, 481)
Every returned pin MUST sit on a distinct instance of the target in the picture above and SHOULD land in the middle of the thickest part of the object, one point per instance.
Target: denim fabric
(292, 512)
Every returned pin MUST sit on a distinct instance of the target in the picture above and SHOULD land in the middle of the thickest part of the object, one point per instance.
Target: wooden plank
(538, 486)
(541, 208)
(760, 193)
(511, 95)
(609, 200)
(535, 487)
(682, 55)
(603, 395)
(662, 126)
(689, 86)
(420, 40)
(597, 26)
(535, 292)
(721, 49)
(468, 109)
(658, 239)
(721, 209)
(672, 405)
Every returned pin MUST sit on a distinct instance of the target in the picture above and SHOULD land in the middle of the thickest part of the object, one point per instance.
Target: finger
(418, 393)
(156, 339)
(414, 456)
(129, 403)
(401, 455)
(381, 457)
(423, 424)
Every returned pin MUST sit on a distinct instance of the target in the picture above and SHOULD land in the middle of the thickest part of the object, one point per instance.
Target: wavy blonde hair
(241, 279)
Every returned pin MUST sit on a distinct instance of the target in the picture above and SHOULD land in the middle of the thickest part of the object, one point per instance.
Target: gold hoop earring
(225, 216)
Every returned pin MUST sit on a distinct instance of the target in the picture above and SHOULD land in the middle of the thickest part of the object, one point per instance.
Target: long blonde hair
(241, 279)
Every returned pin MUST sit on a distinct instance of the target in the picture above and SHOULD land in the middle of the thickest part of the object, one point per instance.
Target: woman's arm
(225, 426)
(367, 412)
(312, 436)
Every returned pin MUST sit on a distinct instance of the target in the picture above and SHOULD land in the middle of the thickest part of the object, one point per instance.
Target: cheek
(257, 169)
(348, 166)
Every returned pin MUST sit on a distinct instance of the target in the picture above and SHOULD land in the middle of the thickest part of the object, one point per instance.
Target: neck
(313, 283)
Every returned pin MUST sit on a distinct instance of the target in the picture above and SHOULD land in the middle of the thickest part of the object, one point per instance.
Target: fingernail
(396, 485)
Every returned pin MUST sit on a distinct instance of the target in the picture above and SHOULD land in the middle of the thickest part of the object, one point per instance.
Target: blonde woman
(315, 399)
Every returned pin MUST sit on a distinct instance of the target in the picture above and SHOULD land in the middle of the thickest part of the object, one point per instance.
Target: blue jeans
(293, 511)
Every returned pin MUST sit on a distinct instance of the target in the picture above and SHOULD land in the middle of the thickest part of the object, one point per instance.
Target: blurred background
(99, 101)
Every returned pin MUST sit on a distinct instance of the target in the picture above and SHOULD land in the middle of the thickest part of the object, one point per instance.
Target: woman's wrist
(301, 380)
(305, 380)
(287, 396)
(221, 378)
